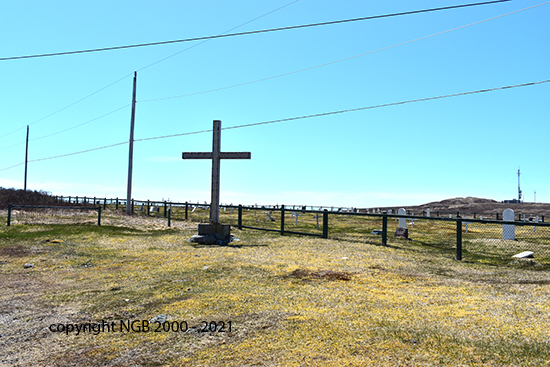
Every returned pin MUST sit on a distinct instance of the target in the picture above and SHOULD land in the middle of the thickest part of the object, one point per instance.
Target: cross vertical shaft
(215, 196)
(216, 155)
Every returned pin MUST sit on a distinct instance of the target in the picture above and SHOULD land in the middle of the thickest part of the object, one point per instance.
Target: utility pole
(131, 153)
(26, 158)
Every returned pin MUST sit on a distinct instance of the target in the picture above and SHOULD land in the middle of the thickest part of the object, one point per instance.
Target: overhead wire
(229, 30)
(145, 67)
(70, 105)
(70, 128)
(250, 32)
(300, 118)
(340, 60)
(224, 34)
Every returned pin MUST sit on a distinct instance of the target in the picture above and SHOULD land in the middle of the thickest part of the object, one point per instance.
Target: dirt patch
(306, 274)
(21, 251)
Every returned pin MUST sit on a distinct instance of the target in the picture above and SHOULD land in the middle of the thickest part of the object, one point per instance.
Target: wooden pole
(131, 152)
(26, 158)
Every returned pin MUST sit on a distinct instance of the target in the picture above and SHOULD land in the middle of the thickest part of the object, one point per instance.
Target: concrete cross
(216, 155)
(317, 217)
(295, 214)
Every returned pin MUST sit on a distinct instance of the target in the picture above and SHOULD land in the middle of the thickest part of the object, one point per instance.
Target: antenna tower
(519, 189)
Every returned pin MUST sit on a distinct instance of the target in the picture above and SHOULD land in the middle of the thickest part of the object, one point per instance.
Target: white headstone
(428, 212)
(402, 221)
(508, 230)
(524, 254)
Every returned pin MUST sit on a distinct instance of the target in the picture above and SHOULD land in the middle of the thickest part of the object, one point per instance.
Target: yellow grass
(292, 301)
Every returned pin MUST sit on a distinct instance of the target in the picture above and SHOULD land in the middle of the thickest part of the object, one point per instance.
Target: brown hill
(470, 205)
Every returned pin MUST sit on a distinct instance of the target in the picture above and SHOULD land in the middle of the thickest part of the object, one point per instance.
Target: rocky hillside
(479, 205)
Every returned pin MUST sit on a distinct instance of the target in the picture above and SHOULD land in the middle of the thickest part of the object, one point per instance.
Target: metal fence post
(169, 215)
(325, 224)
(104, 203)
(240, 217)
(384, 229)
(282, 220)
(116, 203)
(149, 208)
(99, 215)
(459, 239)
(9, 214)
(132, 206)
(164, 209)
(186, 210)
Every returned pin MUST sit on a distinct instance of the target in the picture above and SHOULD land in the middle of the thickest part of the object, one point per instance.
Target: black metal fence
(476, 237)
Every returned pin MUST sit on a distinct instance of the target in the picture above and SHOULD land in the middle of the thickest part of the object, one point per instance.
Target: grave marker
(295, 215)
(428, 212)
(508, 230)
(317, 217)
(402, 221)
(269, 217)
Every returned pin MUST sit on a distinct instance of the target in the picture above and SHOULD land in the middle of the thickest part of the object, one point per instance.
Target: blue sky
(399, 155)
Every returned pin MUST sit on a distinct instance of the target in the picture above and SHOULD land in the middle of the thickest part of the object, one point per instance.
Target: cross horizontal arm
(196, 155)
(234, 155)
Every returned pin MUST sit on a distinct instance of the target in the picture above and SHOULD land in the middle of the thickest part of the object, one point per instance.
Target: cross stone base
(212, 234)
(221, 231)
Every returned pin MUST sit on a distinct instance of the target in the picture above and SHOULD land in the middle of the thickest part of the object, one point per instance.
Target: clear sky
(407, 154)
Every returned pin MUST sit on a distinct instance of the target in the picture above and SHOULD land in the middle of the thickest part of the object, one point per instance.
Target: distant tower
(519, 189)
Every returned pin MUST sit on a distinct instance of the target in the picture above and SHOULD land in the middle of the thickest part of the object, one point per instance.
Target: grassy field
(289, 300)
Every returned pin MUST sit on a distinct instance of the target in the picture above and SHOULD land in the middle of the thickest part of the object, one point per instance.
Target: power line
(340, 60)
(81, 124)
(79, 152)
(249, 32)
(302, 117)
(229, 30)
(70, 128)
(299, 118)
(15, 165)
(145, 67)
(389, 104)
(72, 104)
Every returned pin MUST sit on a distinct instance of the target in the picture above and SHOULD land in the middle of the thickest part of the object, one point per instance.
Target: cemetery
(344, 299)
(163, 283)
